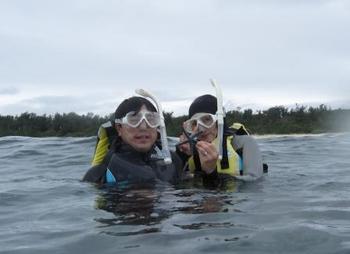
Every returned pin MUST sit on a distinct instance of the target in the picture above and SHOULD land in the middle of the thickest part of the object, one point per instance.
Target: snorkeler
(214, 151)
(136, 155)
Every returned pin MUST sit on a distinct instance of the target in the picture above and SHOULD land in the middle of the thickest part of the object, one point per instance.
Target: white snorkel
(163, 135)
(220, 116)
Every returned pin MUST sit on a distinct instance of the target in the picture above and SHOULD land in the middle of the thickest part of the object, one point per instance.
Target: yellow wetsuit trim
(101, 148)
(237, 126)
(233, 158)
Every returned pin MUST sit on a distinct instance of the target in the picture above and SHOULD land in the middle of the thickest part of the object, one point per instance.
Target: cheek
(215, 130)
(126, 134)
(154, 135)
(213, 133)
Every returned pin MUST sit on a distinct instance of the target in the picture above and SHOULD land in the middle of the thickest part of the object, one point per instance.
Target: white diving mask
(134, 119)
(205, 120)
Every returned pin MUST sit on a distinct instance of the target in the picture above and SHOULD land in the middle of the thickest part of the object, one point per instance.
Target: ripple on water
(301, 205)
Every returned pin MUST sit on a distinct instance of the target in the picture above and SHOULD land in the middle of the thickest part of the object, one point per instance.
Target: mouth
(143, 138)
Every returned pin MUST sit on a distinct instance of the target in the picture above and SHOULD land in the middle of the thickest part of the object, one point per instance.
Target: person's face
(208, 134)
(204, 123)
(141, 138)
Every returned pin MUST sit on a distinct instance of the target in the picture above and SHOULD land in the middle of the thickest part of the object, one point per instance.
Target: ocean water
(301, 206)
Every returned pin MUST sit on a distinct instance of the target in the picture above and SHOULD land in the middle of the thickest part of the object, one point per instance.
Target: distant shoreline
(259, 136)
(274, 121)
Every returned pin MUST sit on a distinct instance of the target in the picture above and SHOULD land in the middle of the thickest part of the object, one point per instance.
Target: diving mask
(134, 119)
(205, 120)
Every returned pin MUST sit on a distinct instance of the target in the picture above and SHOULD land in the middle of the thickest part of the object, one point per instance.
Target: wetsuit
(125, 164)
(251, 166)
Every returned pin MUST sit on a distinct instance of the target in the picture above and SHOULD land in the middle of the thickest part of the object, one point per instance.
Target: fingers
(185, 148)
(207, 150)
(207, 155)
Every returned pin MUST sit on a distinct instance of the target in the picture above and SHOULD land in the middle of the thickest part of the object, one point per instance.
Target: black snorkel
(192, 139)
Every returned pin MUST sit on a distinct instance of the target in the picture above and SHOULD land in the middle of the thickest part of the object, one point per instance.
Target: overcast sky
(86, 56)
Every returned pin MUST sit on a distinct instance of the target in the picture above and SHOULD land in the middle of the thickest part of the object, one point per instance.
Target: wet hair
(133, 104)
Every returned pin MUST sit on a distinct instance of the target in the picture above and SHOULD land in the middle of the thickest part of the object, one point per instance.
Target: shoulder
(104, 129)
(240, 141)
(95, 174)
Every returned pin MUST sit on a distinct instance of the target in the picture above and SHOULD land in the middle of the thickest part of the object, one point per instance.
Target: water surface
(301, 206)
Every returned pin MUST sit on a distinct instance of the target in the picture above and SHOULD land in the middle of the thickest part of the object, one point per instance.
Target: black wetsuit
(126, 164)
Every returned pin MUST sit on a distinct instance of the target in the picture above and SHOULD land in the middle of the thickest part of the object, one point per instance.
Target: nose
(143, 124)
(201, 128)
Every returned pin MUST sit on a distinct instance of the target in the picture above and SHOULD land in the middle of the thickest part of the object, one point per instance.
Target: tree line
(275, 120)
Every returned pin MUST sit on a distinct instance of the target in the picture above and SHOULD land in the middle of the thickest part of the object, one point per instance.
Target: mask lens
(134, 119)
(190, 125)
(202, 119)
(152, 119)
(207, 120)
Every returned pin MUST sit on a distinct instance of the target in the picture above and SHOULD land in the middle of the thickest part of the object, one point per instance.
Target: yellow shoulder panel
(101, 147)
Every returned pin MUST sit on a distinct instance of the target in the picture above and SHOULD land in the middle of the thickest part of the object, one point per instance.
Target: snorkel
(192, 139)
(220, 116)
(163, 135)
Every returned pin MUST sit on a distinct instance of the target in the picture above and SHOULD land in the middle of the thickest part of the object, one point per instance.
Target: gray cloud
(172, 48)
(58, 104)
(9, 91)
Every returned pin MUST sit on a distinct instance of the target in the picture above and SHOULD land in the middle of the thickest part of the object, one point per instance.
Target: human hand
(185, 148)
(208, 156)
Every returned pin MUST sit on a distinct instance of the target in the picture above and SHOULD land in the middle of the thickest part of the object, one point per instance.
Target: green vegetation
(30, 124)
(275, 120)
(301, 119)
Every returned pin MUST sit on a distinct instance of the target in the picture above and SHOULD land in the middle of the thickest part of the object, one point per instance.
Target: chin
(142, 148)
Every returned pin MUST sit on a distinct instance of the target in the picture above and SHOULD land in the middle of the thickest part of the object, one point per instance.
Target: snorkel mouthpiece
(220, 116)
(191, 139)
(163, 135)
